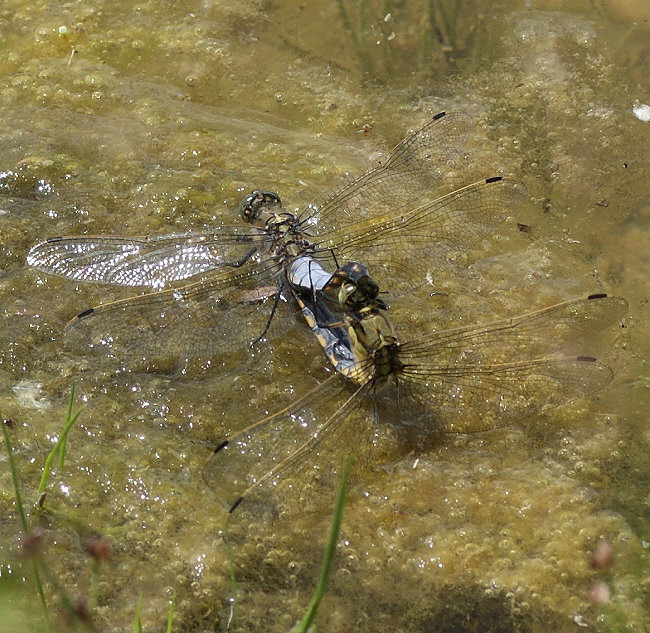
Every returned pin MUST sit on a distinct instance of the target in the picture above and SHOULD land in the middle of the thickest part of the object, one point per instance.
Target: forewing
(406, 246)
(219, 314)
(481, 377)
(412, 169)
(152, 261)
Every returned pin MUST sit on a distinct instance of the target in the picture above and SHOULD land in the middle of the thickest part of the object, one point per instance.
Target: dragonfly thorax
(374, 344)
(386, 362)
(287, 240)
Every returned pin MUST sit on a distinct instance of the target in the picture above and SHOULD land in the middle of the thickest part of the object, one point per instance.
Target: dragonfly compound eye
(252, 205)
(368, 287)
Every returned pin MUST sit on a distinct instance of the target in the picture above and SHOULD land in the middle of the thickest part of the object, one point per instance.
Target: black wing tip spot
(221, 446)
(85, 313)
(598, 295)
(235, 505)
(49, 240)
(586, 359)
(439, 116)
(494, 179)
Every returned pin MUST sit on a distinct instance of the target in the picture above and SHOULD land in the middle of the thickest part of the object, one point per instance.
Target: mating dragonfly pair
(466, 379)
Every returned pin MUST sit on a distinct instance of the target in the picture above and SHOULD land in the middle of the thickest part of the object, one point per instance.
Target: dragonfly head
(256, 202)
(357, 288)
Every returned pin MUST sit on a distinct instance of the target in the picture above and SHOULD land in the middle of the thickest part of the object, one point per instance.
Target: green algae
(158, 123)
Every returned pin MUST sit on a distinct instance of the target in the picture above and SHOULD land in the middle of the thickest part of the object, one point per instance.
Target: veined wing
(425, 239)
(412, 169)
(478, 378)
(556, 329)
(474, 398)
(292, 448)
(218, 314)
(150, 261)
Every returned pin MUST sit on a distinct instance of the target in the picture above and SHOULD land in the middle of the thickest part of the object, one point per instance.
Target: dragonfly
(466, 379)
(391, 217)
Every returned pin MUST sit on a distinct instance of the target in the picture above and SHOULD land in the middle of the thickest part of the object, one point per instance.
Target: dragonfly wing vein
(412, 169)
(218, 314)
(431, 234)
(471, 399)
(291, 448)
(142, 261)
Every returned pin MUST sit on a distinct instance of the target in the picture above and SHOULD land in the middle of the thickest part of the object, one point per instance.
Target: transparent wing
(413, 168)
(482, 377)
(557, 329)
(292, 449)
(407, 245)
(215, 315)
(471, 399)
(151, 261)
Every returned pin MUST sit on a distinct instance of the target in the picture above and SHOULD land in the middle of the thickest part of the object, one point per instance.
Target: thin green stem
(170, 614)
(60, 446)
(137, 620)
(328, 554)
(47, 469)
(14, 478)
(63, 596)
(25, 526)
(70, 419)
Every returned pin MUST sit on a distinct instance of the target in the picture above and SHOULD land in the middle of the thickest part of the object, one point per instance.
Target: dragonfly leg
(238, 263)
(276, 301)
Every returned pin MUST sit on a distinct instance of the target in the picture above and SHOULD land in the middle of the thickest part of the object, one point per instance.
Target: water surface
(140, 118)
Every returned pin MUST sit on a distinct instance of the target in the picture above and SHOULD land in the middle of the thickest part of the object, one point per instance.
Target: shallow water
(154, 118)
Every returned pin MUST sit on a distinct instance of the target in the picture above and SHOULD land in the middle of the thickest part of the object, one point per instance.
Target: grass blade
(170, 614)
(70, 419)
(60, 446)
(25, 526)
(328, 554)
(137, 620)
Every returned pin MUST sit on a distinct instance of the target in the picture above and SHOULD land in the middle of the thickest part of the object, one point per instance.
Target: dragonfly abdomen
(307, 273)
